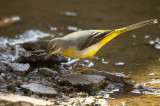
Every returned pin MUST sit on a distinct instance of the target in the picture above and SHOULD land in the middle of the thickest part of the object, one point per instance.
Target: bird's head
(53, 47)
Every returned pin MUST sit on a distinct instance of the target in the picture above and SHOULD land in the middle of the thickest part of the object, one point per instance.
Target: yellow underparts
(89, 52)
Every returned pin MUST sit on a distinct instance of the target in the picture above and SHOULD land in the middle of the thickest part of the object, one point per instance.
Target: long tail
(125, 29)
(137, 25)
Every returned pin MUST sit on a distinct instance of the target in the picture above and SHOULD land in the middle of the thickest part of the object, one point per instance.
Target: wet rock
(40, 57)
(111, 77)
(1, 79)
(40, 89)
(48, 72)
(36, 53)
(83, 81)
(12, 86)
(34, 46)
(65, 97)
(3, 67)
(19, 68)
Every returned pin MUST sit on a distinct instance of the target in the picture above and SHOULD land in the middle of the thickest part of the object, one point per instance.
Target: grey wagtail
(85, 44)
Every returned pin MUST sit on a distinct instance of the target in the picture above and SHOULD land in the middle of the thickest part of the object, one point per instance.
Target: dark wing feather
(93, 39)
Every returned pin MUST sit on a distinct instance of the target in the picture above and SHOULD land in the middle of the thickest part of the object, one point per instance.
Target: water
(137, 49)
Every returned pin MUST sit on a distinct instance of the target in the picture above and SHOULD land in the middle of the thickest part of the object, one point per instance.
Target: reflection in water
(119, 64)
(104, 62)
(69, 13)
(9, 20)
(72, 28)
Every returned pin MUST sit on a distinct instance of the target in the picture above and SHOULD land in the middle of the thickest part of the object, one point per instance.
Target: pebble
(47, 72)
(19, 68)
(3, 67)
(2, 79)
(40, 89)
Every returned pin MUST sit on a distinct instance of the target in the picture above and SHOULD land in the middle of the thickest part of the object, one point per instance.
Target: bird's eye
(54, 49)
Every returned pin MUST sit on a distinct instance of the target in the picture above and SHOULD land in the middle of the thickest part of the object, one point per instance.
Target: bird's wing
(94, 38)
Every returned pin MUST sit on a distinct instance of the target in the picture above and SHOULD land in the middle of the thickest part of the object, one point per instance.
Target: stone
(65, 97)
(3, 67)
(47, 72)
(36, 53)
(19, 68)
(36, 45)
(1, 79)
(83, 81)
(40, 89)
(40, 57)
(111, 77)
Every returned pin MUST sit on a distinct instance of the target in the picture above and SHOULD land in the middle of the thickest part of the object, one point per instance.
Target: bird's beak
(48, 55)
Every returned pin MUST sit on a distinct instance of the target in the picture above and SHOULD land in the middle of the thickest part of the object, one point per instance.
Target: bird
(86, 43)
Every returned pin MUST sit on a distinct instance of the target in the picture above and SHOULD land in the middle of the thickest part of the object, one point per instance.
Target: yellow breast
(71, 52)
(89, 52)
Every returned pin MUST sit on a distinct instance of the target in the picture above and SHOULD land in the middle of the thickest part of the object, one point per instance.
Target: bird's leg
(74, 69)
(76, 65)
(84, 68)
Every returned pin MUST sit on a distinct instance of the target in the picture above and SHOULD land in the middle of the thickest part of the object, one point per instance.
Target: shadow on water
(62, 17)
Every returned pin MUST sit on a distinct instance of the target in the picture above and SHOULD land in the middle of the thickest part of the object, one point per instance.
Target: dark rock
(19, 68)
(83, 81)
(12, 86)
(119, 80)
(2, 79)
(36, 53)
(40, 89)
(111, 77)
(3, 67)
(40, 57)
(37, 45)
(48, 72)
